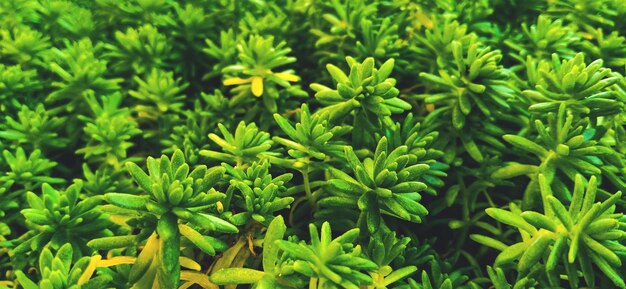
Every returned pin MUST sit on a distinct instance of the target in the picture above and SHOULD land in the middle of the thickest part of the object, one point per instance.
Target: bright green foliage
(34, 128)
(582, 87)
(383, 249)
(159, 92)
(253, 73)
(477, 82)
(331, 263)
(435, 44)
(59, 272)
(109, 130)
(172, 188)
(140, 50)
(544, 38)
(225, 52)
(420, 142)
(203, 144)
(174, 200)
(366, 90)
(57, 218)
(256, 192)
(16, 83)
(441, 280)
(312, 137)
(584, 233)
(242, 147)
(347, 29)
(609, 47)
(563, 147)
(372, 89)
(24, 45)
(79, 71)
(30, 171)
(392, 174)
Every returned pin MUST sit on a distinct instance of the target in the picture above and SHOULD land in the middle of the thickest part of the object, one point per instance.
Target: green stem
(307, 188)
(313, 283)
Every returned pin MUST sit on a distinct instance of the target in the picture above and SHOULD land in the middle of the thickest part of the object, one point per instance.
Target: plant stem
(313, 283)
(307, 189)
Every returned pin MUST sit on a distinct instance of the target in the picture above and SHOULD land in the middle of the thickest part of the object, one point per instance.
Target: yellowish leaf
(236, 81)
(91, 268)
(287, 76)
(424, 20)
(196, 278)
(257, 86)
(117, 260)
(189, 263)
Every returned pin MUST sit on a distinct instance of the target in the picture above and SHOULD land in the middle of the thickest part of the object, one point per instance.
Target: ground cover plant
(408, 144)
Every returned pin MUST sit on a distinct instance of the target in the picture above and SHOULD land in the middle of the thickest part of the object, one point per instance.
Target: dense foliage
(406, 144)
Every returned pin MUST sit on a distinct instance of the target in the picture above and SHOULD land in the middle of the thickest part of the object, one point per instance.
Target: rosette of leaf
(586, 14)
(564, 240)
(112, 12)
(313, 137)
(340, 27)
(583, 88)
(272, 275)
(255, 193)
(139, 50)
(24, 45)
(174, 201)
(191, 136)
(224, 52)
(105, 179)
(383, 249)
(421, 143)
(479, 138)
(80, 70)
(393, 176)
(159, 93)
(564, 146)
(59, 271)
(350, 30)
(471, 80)
(29, 172)
(366, 87)
(108, 131)
(74, 22)
(17, 85)
(327, 262)
(544, 38)
(432, 48)
(272, 21)
(380, 40)
(243, 147)
(253, 74)
(610, 48)
(59, 217)
(34, 129)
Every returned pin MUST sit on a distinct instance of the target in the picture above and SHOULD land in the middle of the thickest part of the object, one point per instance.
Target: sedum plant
(568, 239)
(362, 144)
(257, 57)
(169, 210)
(58, 218)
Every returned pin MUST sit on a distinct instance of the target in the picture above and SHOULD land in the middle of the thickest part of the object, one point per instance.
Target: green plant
(173, 194)
(585, 231)
(214, 144)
